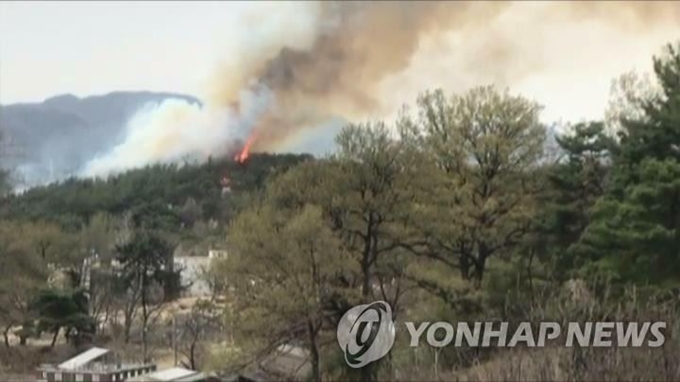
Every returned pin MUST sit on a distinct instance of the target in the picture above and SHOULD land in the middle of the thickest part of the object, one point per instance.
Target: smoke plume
(303, 65)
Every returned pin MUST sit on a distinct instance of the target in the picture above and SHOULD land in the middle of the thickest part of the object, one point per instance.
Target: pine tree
(635, 229)
(576, 183)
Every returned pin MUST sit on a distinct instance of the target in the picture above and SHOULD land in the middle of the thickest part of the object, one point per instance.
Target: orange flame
(245, 152)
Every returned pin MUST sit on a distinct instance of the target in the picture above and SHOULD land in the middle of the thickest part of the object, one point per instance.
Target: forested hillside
(74, 201)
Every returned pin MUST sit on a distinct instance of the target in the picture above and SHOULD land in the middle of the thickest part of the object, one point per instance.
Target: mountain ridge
(52, 139)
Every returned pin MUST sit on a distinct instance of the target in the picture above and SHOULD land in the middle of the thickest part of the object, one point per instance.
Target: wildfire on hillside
(242, 156)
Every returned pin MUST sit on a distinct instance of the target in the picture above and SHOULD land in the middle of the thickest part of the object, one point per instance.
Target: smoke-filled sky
(303, 64)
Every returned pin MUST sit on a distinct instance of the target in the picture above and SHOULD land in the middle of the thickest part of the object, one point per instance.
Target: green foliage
(281, 264)
(190, 212)
(463, 205)
(99, 235)
(656, 133)
(635, 232)
(23, 272)
(162, 189)
(281, 271)
(66, 309)
(576, 182)
(635, 237)
(144, 258)
(478, 191)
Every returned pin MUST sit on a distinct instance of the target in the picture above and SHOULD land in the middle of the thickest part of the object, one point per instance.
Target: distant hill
(53, 139)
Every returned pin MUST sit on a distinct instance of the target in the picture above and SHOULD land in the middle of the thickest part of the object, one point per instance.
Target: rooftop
(94, 361)
(174, 374)
(82, 359)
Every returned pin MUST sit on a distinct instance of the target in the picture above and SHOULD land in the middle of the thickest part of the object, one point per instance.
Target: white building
(192, 276)
(217, 253)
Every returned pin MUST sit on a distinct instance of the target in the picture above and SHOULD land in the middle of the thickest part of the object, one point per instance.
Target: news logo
(366, 333)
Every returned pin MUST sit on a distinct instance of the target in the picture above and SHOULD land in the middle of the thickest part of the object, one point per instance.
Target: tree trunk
(144, 341)
(131, 305)
(366, 261)
(480, 265)
(366, 282)
(67, 335)
(145, 318)
(129, 318)
(436, 364)
(126, 331)
(192, 355)
(369, 372)
(5, 333)
(464, 263)
(314, 351)
(144, 324)
(54, 338)
(479, 275)
(531, 278)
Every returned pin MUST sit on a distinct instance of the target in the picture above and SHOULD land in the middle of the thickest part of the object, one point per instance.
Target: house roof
(83, 359)
(174, 374)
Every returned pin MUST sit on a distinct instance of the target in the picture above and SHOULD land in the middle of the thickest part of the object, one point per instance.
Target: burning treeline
(356, 45)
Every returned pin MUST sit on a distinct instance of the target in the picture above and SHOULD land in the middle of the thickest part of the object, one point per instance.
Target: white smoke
(175, 130)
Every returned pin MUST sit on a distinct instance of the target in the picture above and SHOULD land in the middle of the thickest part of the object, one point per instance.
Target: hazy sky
(49, 48)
